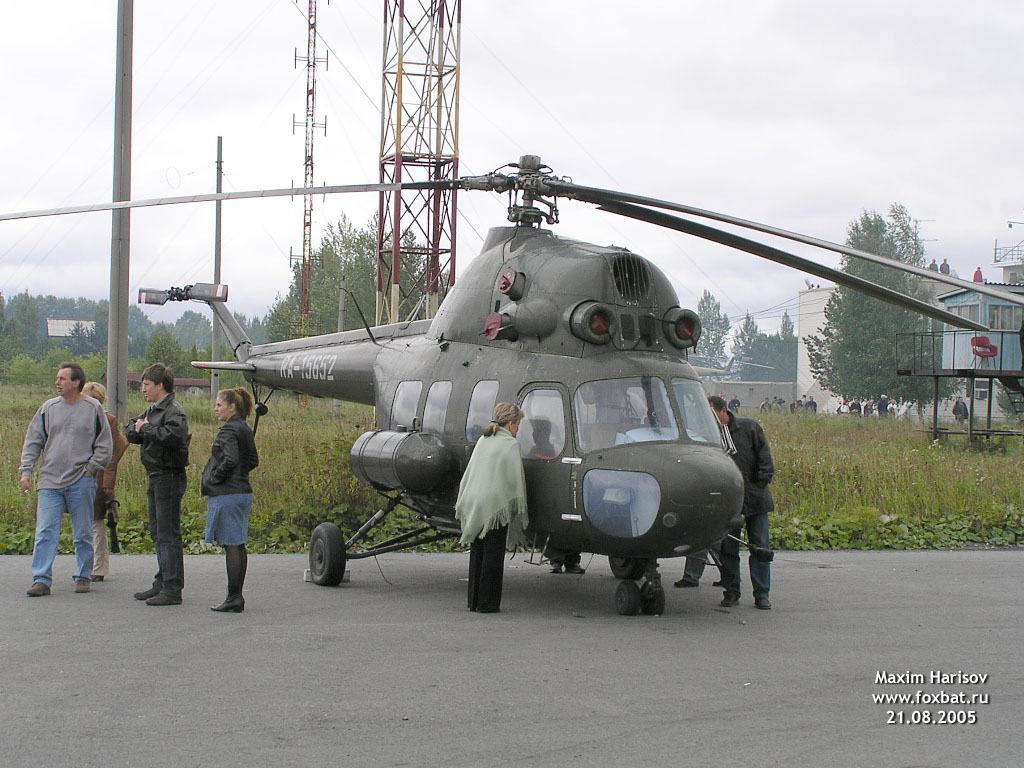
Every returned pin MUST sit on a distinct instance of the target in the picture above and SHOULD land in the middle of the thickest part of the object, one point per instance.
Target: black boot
(233, 604)
(236, 559)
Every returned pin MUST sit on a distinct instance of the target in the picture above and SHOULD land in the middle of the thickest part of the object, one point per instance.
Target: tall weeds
(841, 482)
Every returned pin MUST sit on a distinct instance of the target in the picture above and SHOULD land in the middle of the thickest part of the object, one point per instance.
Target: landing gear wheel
(627, 567)
(327, 555)
(652, 601)
(627, 598)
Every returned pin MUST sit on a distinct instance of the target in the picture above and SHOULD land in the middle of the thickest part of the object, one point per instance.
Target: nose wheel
(632, 598)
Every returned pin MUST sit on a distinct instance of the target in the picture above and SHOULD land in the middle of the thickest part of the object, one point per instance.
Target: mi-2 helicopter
(623, 455)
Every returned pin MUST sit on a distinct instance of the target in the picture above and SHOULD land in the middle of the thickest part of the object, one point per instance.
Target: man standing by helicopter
(754, 459)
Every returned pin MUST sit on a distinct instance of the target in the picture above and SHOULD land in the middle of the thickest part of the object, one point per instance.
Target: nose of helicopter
(668, 499)
(702, 497)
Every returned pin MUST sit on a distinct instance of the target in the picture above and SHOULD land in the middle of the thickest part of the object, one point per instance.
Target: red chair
(983, 348)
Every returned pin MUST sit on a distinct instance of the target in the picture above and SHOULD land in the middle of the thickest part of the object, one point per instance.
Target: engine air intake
(682, 327)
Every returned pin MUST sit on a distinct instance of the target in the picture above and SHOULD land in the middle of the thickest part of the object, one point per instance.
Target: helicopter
(622, 453)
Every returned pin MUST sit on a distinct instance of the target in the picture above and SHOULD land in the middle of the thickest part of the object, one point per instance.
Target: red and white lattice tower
(419, 142)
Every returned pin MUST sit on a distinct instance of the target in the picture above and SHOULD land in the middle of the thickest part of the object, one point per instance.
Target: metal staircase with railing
(1013, 386)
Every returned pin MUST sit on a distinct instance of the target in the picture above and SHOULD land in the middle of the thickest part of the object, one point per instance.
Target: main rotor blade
(782, 257)
(600, 196)
(289, 192)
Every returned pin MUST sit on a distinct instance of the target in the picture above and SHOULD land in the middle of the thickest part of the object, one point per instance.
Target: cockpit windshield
(616, 411)
(698, 418)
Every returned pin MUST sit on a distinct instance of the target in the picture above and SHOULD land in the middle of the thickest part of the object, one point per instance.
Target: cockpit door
(545, 437)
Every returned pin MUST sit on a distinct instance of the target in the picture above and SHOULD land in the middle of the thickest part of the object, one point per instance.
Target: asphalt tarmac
(390, 669)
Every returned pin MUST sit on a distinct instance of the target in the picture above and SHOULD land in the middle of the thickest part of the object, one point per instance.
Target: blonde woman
(105, 504)
(492, 506)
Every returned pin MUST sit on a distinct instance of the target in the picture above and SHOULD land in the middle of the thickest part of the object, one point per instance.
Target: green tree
(193, 329)
(765, 357)
(778, 351)
(24, 329)
(855, 353)
(254, 327)
(715, 326)
(164, 348)
(744, 346)
(345, 253)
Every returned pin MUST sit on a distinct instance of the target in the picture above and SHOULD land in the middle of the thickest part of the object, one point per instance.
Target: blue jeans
(760, 573)
(76, 499)
(163, 496)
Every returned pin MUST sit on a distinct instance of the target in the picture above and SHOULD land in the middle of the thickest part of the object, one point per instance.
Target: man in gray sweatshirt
(71, 434)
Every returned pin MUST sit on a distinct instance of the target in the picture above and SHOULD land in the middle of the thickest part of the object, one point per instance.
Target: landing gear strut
(649, 597)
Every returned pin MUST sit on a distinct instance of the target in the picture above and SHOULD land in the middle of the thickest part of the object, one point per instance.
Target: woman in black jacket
(226, 484)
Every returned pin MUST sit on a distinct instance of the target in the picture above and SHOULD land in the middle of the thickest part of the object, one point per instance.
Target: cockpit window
(616, 411)
(698, 419)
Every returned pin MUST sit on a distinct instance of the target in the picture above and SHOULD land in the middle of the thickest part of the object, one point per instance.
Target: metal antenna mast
(419, 142)
(306, 263)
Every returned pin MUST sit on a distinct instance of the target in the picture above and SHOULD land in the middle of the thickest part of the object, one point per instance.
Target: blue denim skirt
(227, 518)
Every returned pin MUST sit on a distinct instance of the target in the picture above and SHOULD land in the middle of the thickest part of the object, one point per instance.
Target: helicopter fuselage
(622, 453)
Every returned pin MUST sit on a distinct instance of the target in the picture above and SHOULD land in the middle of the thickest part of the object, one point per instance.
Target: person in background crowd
(810, 406)
(71, 435)
(734, 404)
(105, 504)
(978, 278)
(944, 267)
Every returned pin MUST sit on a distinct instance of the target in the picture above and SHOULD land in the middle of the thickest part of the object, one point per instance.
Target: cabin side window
(616, 411)
(481, 408)
(403, 410)
(542, 432)
(436, 407)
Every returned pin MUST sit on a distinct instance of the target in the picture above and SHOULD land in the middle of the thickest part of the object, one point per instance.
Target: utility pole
(120, 235)
(215, 349)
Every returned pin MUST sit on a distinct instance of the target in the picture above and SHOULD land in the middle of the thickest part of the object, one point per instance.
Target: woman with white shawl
(492, 506)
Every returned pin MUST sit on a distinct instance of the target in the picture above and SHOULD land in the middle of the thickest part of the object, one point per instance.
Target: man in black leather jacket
(754, 459)
(162, 431)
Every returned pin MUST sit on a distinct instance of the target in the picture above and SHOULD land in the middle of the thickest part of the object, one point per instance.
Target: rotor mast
(419, 142)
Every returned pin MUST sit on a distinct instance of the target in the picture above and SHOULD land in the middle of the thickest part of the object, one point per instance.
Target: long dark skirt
(486, 569)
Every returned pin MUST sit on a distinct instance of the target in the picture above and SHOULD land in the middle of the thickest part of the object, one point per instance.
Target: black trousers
(164, 499)
(486, 569)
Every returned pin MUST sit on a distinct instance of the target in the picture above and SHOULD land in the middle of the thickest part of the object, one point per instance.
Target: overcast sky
(800, 114)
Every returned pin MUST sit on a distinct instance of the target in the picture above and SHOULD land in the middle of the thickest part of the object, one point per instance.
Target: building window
(968, 312)
(1004, 318)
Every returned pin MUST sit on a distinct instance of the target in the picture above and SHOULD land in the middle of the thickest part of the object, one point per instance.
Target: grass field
(841, 482)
